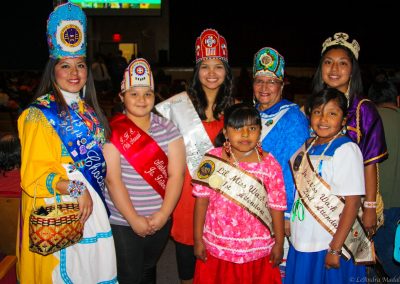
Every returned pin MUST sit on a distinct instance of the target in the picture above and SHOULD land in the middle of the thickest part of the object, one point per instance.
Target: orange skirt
(216, 270)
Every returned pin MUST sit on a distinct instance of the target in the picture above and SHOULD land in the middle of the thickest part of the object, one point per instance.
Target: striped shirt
(144, 198)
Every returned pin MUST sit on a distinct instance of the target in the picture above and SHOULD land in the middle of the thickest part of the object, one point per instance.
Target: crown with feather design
(341, 39)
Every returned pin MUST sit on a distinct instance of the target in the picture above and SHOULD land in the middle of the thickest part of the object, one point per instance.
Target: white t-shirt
(342, 168)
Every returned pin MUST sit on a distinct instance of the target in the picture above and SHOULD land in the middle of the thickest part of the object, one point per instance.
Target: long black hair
(88, 93)
(356, 86)
(224, 97)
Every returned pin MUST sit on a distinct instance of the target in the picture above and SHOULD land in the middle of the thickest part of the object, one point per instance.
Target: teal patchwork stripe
(114, 280)
(94, 239)
(64, 274)
(64, 151)
(63, 267)
(49, 182)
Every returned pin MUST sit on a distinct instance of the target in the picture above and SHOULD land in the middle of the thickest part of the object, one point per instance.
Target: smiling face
(267, 90)
(336, 69)
(138, 101)
(327, 120)
(71, 74)
(212, 74)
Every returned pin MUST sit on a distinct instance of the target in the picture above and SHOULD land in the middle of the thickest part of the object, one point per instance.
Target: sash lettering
(83, 149)
(239, 186)
(141, 151)
(181, 111)
(326, 208)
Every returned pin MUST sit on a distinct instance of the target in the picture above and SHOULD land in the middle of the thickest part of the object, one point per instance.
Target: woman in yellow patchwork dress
(62, 135)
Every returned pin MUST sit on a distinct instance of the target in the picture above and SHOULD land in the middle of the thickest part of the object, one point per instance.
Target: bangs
(241, 116)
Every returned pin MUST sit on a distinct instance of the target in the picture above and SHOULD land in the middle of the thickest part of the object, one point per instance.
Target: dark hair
(241, 114)
(224, 97)
(10, 153)
(356, 86)
(324, 96)
(237, 116)
(48, 85)
(383, 92)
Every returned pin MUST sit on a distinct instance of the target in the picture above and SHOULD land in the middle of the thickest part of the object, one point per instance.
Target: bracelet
(76, 188)
(369, 204)
(335, 252)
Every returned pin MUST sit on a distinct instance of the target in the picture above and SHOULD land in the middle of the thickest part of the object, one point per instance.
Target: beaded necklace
(298, 207)
(236, 161)
(323, 152)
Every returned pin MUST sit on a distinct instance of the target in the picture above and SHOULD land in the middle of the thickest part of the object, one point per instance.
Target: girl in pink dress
(240, 200)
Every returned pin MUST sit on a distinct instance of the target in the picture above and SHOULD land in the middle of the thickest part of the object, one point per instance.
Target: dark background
(296, 30)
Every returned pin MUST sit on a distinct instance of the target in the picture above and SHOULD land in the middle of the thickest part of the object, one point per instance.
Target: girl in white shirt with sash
(326, 234)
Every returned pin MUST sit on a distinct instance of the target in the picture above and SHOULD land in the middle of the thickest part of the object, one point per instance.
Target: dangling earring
(82, 92)
(312, 133)
(227, 148)
(344, 130)
(259, 148)
(254, 100)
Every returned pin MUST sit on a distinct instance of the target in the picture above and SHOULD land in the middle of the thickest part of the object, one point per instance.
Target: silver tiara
(341, 39)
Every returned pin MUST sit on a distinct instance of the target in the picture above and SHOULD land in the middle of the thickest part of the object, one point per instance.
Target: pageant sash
(83, 149)
(180, 110)
(238, 186)
(326, 208)
(269, 121)
(141, 151)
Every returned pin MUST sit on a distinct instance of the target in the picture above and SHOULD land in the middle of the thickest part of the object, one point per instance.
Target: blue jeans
(384, 242)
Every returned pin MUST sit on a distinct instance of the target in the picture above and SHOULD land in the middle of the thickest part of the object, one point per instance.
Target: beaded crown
(137, 74)
(341, 39)
(268, 62)
(210, 44)
(66, 32)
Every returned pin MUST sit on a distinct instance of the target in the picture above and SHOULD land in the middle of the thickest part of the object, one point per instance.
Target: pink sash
(141, 151)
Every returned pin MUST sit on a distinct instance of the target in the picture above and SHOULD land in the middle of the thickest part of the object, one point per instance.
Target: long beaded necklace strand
(298, 207)
(323, 153)
(236, 161)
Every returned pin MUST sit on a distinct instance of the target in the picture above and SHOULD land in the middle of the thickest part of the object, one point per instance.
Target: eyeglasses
(270, 82)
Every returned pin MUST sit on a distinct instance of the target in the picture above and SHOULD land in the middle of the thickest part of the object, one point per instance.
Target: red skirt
(216, 270)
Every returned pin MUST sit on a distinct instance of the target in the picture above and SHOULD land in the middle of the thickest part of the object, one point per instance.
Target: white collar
(70, 97)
